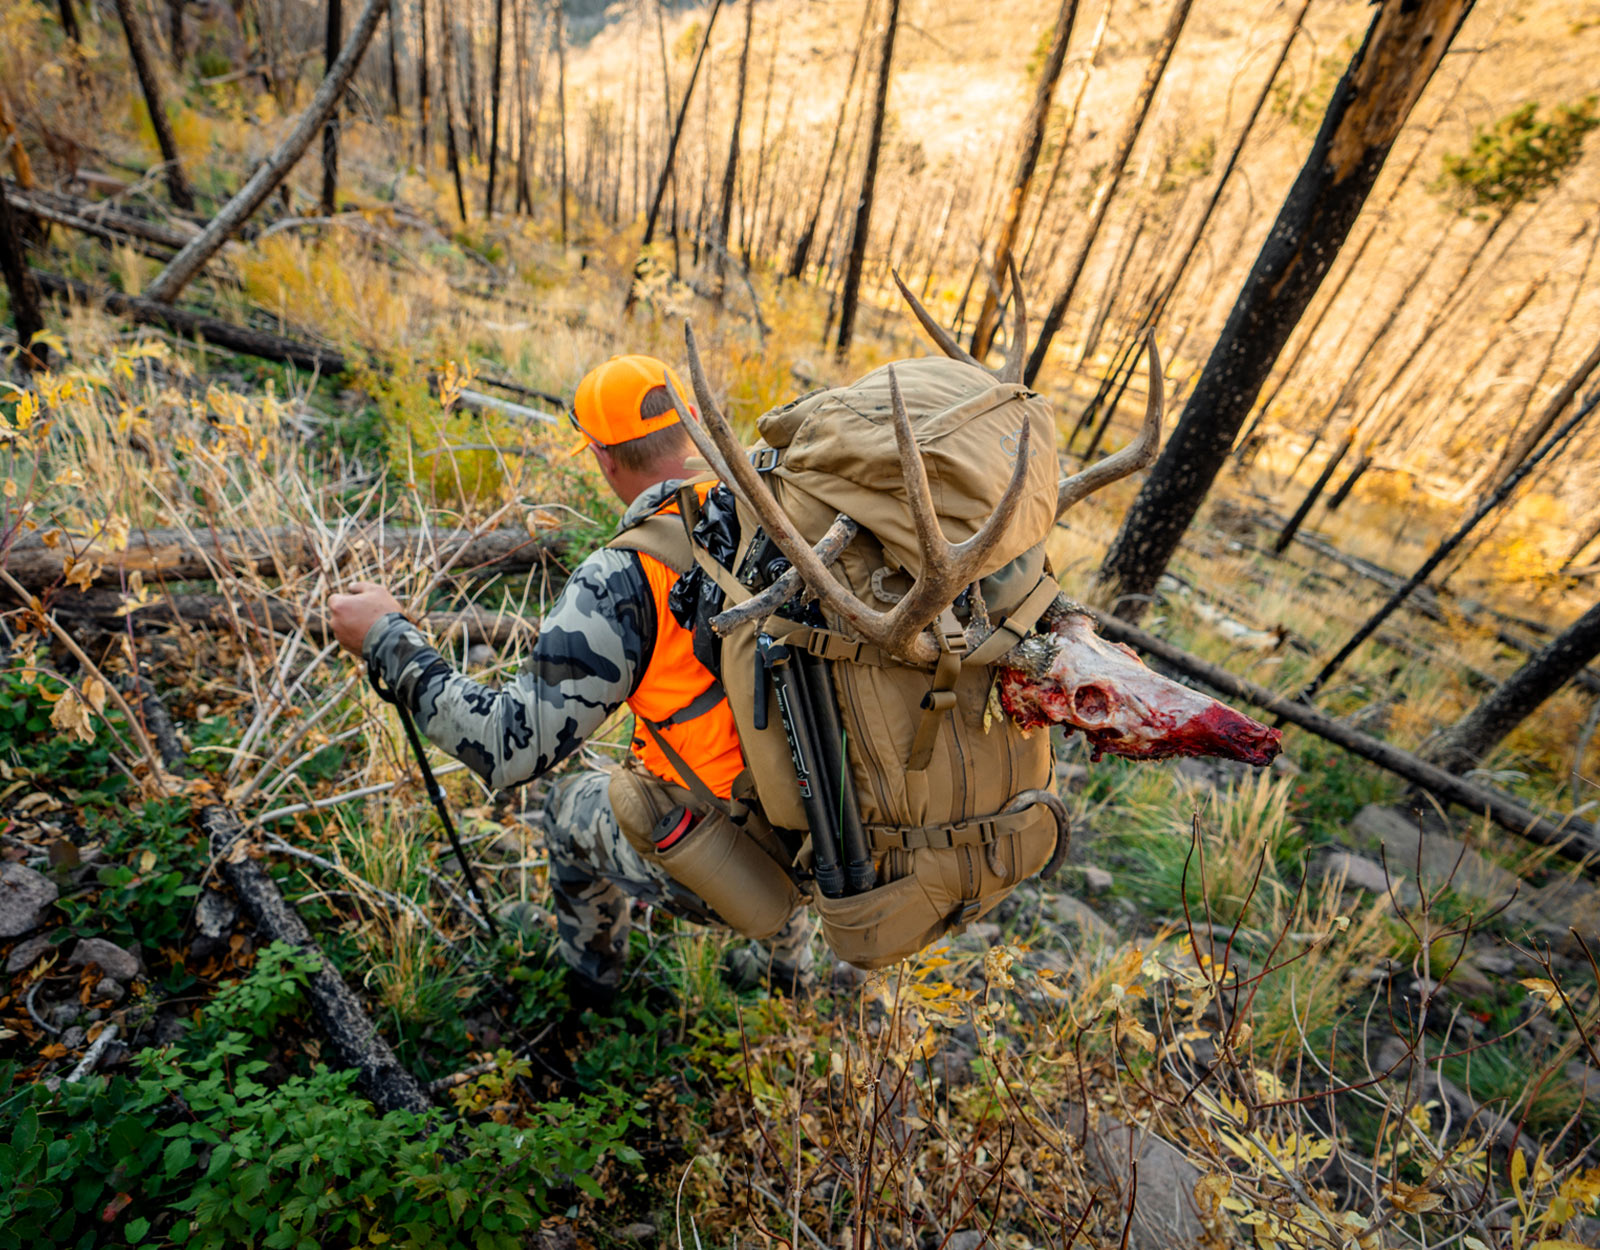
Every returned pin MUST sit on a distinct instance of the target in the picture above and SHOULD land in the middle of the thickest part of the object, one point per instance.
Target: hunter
(609, 639)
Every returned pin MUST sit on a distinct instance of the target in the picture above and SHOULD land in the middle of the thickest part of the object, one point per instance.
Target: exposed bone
(1069, 675)
(786, 587)
(946, 567)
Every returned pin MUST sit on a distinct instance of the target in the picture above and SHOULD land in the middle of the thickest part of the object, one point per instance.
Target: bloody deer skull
(1069, 675)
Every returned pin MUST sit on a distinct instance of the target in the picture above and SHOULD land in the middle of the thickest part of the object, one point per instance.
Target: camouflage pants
(594, 870)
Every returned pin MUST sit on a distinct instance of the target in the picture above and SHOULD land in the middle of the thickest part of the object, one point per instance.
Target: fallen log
(169, 555)
(356, 1043)
(1572, 838)
(98, 218)
(104, 608)
(262, 344)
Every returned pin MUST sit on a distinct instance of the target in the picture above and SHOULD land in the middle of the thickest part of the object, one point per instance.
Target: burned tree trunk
(20, 286)
(674, 140)
(1286, 535)
(1402, 48)
(1107, 189)
(494, 106)
(186, 264)
(139, 52)
(561, 106)
(869, 179)
(69, 21)
(1027, 160)
(447, 88)
(422, 81)
(394, 60)
(1442, 551)
(331, 38)
(1467, 743)
(801, 255)
(730, 171)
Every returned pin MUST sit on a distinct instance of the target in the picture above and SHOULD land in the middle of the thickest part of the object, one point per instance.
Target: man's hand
(355, 613)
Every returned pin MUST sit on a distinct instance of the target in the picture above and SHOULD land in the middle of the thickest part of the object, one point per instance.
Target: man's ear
(604, 458)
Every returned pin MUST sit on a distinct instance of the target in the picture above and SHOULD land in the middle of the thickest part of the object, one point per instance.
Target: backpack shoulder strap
(661, 535)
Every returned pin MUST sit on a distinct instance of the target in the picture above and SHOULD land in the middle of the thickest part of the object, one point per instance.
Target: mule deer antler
(1135, 456)
(947, 568)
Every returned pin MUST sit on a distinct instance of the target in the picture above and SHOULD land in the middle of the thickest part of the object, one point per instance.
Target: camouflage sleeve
(593, 647)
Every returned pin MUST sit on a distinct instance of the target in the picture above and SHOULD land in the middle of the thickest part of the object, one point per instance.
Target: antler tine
(936, 332)
(930, 536)
(742, 476)
(698, 436)
(1017, 349)
(1135, 456)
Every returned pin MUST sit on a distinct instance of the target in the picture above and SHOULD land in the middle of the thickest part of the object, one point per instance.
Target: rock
(1198, 771)
(1494, 964)
(480, 655)
(105, 987)
(1072, 777)
(61, 1014)
(1397, 833)
(1165, 1214)
(113, 960)
(1586, 1078)
(968, 1239)
(639, 1232)
(1366, 874)
(1469, 982)
(1074, 913)
(214, 914)
(25, 954)
(1567, 905)
(983, 933)
(73, 1038)
(25, 897)
(1097, 880)
(1285, 766)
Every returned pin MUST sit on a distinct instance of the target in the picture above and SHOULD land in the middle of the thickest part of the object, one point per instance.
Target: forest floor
(1303, 1013)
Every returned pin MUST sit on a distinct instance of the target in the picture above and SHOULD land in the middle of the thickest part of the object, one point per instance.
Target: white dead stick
(93, 1055)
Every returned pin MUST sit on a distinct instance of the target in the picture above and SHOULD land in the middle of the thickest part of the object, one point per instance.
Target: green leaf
(136, 1229)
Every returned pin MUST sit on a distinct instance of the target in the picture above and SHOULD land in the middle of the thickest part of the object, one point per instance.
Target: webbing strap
(830, 644)
(941, 697)
(1018, 625)
(692, 780)
(979, 831)
(697, 706)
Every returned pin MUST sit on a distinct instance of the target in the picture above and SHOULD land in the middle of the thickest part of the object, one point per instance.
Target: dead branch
(170, 555)
(1572, 838)
(356, 1042)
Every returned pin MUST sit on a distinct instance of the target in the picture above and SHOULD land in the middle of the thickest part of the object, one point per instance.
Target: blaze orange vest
(678, 702)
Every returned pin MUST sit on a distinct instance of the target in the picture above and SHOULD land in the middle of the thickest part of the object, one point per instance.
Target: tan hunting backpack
(935, 766)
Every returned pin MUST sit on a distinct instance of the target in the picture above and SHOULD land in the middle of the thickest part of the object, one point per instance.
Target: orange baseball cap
(624, 399)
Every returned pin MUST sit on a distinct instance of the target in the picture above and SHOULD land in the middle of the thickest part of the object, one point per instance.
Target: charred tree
(869, 179)
(21, 288)
(1286, 535)
(139, 51)
(332, 38)
(561, 106)
(494, 106)
(1027, 161)
(730, 170)
(69, 21)
(394, 60)
(801, 255)
(187, 263)
(423, 137)
(1446, 546)
(1467, 743)
(673, 141)
(1107, 189)
(1387, 74)
(447, 88)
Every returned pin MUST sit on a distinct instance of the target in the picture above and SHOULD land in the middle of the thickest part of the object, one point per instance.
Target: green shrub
(202, 1148)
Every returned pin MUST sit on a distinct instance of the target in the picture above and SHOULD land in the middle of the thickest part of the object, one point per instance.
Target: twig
(90, 667)
(93, 1055)
(399, 901)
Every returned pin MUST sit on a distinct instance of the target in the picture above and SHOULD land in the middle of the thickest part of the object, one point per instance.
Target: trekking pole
(798, 728)
(436, 795)
(860, 875)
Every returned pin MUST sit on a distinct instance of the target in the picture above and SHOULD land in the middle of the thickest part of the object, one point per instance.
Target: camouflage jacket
(594, 647)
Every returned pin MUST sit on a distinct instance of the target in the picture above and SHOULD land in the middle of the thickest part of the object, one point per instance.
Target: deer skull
(1069, 675)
